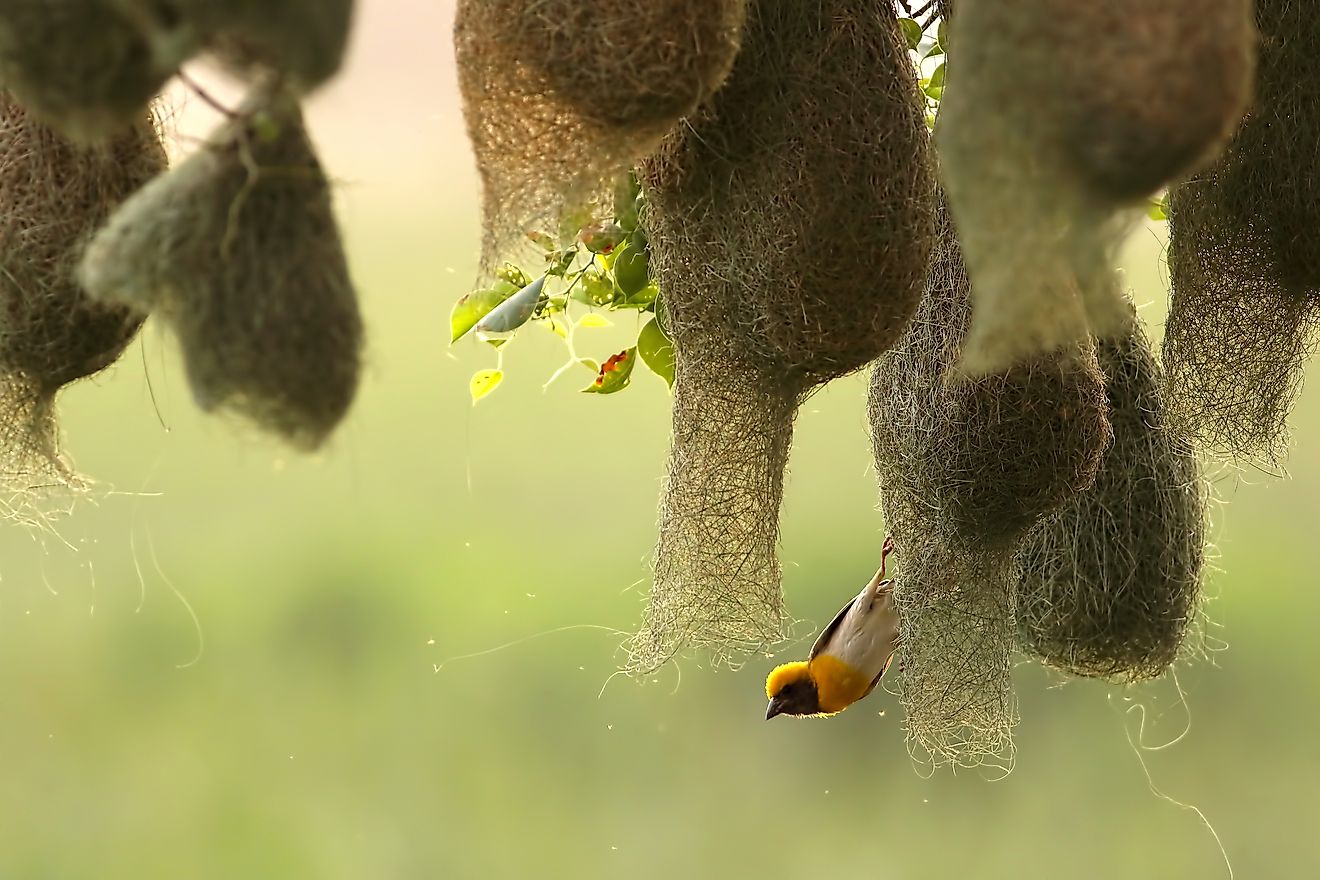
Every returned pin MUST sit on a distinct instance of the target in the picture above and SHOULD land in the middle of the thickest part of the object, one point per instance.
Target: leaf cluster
(597, 262)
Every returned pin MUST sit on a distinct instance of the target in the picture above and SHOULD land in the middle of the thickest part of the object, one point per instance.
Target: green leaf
(632, 269)
(593, 322)
(508, 316)
(911, 32)
(615, 374)
(661, 313)
(471, 309)
(511, 274)
(560, 262)
(643, 298)
(594, 289)
(1157, 209)
(602, 238)
(572, 223)
(656, 351)
(484, 382)
(942, 34)
(627, 201)
(934, 87)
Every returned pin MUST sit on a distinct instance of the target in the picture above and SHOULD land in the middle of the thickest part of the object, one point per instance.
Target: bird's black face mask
(796, 698)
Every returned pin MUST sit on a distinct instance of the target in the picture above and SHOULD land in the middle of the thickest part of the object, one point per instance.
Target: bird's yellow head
(792, 691)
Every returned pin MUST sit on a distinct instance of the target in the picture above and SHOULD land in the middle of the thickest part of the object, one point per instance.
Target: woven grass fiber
(90, 67)
(967, 467)
(238, 250)
(1244, 257)
(1109, 586)
(562, 96)
(55, 194)
(86, 67)
(1060, 118)
(302, 40)
(790, 223)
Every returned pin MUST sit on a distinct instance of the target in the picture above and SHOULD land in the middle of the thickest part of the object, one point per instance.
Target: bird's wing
(875, 681)
(869, 593)
(828, 631)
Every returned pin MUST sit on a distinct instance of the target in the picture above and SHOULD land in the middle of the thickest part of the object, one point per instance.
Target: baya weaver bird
(848, 659)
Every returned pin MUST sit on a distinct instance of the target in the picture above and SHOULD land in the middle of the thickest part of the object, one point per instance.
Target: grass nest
(237, 249)
(1109, 586)
(56, 193)
(562, 96)
(1046, 180)
(790, 223)
(1244, 258)
(91, 67)
(968, 466)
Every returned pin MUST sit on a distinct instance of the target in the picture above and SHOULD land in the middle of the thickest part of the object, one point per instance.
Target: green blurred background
(310, 735)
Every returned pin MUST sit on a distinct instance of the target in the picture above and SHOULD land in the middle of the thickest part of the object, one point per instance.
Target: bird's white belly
(866, 638)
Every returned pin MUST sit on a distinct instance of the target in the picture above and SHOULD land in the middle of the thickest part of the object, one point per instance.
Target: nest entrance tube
(716, 574)
(780, 270)
(967, 467)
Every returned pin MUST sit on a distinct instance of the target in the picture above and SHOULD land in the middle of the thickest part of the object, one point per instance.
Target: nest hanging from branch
(1110, 585)
(1244, 258)
(562, 96)
(790, 224)
(1044, 178)
(55, 194)
(967, 467)
(238, 250)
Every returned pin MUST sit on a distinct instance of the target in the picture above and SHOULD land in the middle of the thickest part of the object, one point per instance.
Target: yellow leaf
(484, 382)
(594, 322)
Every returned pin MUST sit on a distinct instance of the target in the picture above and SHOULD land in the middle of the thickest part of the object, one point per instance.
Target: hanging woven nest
(238, 250)
(790, 223)
(1047, 177)
(56, 193)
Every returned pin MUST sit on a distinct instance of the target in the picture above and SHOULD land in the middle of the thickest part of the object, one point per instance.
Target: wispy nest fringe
(55, 194)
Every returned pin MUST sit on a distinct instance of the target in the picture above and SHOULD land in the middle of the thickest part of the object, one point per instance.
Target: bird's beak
(775, 708)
